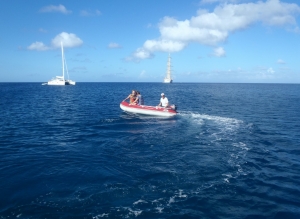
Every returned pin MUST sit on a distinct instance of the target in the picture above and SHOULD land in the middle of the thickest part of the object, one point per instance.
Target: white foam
(100, 215)
(178, 194)
(159, 209)
(139, 201)
(227, 175)
(108, 120)
(136, 213)
(194, 116)
(213, 118)
(241, 145)
(224, 124)
(157, 200)
(181, 195)
(237, 158)
(171, 200)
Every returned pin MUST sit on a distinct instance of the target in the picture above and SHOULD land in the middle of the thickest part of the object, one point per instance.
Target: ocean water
(233, 151)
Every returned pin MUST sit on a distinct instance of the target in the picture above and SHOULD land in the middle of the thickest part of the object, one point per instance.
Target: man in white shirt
(163, 101)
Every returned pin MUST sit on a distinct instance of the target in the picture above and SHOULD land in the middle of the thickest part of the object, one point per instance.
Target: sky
(217, 41)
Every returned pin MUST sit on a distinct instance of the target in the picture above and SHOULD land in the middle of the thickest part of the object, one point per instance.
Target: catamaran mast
(63, 62)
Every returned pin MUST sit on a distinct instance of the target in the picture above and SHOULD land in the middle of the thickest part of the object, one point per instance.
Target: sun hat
(162, 94)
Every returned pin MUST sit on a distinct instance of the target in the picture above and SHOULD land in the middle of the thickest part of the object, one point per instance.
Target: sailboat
(60, 80)
(168, 78)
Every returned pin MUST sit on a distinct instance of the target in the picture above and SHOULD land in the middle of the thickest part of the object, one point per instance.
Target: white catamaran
(60, 80)
(168, 78)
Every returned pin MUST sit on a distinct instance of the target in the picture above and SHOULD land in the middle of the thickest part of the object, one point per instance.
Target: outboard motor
(173, 107)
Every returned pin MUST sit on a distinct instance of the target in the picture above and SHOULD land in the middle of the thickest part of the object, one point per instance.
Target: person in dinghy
(140, 99)
(164, 102)
(133, 99)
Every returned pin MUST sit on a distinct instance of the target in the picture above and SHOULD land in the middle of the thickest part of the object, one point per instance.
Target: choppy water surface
(70, 152)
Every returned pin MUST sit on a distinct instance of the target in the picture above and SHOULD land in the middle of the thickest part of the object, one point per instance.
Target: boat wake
(223, 136)
(227, 123)
(209, 155)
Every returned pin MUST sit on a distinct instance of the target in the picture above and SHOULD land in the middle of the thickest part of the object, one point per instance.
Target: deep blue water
(70, 152)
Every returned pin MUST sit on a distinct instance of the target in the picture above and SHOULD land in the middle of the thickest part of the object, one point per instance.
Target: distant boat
(60, 80)
(168, 78)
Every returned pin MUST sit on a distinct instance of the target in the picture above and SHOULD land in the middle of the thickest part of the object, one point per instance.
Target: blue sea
(232, 152)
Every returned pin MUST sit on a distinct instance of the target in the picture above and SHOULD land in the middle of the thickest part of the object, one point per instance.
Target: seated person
(133, 100)
(163, 101)
(140, 98)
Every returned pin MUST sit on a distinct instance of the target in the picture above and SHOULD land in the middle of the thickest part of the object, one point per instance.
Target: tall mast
(169, 67)
(63, 62)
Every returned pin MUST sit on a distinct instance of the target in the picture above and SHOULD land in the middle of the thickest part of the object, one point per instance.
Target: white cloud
(142, 53)
(52, 8)
(142, 74)
(270, 70)
(218, 1)
(98, 12)
(219, 52)
(263, 73)
(88, 13)
(213, 28)
(68, 39)
(295, 30)
(114, 46)
(139, 54)
(163, 45)
(39, 46)
(280, 61)
(149, 25)
(42, 30)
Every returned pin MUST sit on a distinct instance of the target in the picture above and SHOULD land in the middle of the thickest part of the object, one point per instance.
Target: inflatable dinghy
(149, 110)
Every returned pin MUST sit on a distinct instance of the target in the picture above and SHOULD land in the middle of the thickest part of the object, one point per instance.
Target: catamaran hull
(69, 82)
(56, 82)
(60, 83)
(148, 110)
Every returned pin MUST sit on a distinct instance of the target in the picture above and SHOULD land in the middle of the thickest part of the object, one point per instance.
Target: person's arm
(159, 103)
(126, 98)
(137, 99)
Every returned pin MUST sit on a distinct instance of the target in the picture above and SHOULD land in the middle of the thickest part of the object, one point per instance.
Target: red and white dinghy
(148, 110)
